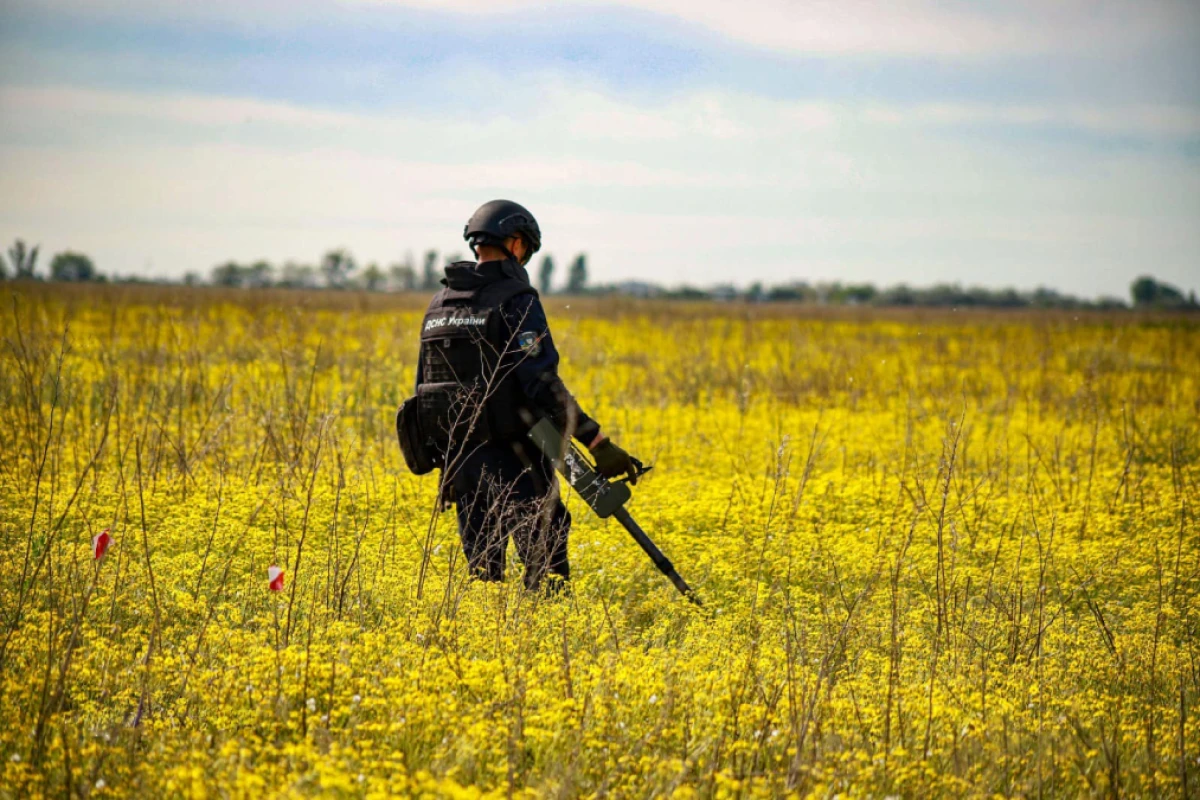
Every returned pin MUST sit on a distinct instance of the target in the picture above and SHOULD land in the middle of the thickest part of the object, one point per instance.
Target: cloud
(563, 125)
(910, 27)
(418, 56)
(936, 28)
(1147, 121)
(53, 102)
(675, 191)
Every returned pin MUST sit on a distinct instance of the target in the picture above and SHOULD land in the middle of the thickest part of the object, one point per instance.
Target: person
(487, 369)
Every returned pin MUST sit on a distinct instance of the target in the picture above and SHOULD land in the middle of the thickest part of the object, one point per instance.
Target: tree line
(1145, 292)
(339, 270)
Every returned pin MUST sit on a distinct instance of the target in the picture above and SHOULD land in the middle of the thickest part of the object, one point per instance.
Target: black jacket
(529, 355)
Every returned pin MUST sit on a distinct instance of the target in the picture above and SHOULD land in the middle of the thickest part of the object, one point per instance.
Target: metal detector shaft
(663, 563)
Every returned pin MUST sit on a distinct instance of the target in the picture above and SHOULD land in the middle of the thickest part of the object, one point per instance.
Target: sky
(1025, 143)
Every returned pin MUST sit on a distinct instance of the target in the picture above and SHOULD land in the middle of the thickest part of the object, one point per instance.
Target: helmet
(496, 221)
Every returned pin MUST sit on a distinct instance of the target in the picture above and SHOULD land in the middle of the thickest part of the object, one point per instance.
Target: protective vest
(469, 393)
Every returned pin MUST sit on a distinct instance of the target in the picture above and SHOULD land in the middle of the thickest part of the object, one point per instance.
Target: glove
(612, 461)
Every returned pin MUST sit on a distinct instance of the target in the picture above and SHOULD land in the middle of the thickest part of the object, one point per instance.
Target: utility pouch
(416, 447)
(452, 415)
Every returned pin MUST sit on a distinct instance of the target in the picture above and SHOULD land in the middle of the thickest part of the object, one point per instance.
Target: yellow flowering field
(942, 555)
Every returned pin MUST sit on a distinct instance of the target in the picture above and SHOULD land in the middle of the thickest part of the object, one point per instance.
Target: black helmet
(496, 221)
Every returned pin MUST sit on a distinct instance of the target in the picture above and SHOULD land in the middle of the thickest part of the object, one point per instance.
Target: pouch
(413, 443)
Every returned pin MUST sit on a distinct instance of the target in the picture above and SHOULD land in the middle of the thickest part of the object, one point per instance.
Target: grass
(942, 554)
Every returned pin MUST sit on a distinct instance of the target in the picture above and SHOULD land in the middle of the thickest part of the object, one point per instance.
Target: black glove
(612, 461)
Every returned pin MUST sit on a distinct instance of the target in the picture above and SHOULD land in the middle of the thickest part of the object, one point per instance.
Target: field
(941, 554)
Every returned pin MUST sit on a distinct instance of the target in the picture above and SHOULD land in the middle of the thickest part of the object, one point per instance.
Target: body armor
(469, 393)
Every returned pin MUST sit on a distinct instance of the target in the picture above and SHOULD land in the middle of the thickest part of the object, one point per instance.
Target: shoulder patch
(529, 342)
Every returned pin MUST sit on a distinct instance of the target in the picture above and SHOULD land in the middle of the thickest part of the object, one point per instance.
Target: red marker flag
(275, 576)
(100, 543)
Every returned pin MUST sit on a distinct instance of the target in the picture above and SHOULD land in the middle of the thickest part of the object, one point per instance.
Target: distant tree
(1144, 291)
(23, 260)
(899, 295)
(191, 279)
(801, 291)
(336, 268)
(858, 293)
(546, 275)
(782, 294)
(402, 276)
(373, 277)
(230, 274)
(1170, 296)
(1008, 298)
(71, 266)
(1044, 297)
(577, 275)
(1147, 291)
(755, 293)
(942, 294)
(258, 275)
(297, 276)
(429, 276)
(686, 292)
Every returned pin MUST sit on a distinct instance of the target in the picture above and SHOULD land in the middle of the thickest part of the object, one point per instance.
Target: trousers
(509, 490)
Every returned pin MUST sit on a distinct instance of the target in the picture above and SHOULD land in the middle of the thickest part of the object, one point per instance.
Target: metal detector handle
(639, 469)
(601, 496)
(606, 498)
